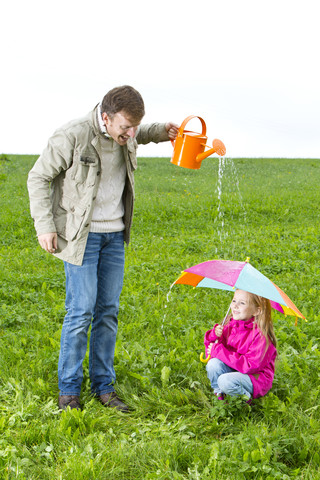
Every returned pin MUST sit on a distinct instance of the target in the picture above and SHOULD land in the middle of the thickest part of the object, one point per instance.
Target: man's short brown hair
(125, 99)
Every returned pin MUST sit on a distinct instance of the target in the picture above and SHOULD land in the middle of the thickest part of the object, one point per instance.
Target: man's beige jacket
(64, 181)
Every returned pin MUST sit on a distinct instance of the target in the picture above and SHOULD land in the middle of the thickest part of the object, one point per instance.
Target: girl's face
(241, 307)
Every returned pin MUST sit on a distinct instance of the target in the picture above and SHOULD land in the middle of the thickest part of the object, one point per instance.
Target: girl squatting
(243, 351)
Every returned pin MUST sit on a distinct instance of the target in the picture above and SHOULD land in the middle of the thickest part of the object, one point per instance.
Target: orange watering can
(189, 147)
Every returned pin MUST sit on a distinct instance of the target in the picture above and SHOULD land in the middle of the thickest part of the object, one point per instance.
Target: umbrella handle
(204, 360)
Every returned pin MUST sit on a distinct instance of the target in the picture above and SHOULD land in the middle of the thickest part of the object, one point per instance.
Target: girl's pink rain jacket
(242, 346)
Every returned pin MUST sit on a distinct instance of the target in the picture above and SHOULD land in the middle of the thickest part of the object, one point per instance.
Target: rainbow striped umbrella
(232, 275)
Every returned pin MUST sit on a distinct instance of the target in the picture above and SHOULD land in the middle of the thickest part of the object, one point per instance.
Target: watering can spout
(217, 147)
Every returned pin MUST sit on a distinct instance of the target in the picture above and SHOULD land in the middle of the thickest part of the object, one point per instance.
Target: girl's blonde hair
(263, 318)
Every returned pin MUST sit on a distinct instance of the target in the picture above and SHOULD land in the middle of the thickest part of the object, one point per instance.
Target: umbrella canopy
(232, 275)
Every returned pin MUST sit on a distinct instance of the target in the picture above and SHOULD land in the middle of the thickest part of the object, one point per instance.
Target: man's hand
(49, 241)
(172, 129)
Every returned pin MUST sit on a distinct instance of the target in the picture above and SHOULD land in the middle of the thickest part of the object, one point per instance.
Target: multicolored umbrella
(232, 275)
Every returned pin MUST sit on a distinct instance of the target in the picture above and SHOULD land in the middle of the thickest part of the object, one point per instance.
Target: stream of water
(165, 313)
(227, 186)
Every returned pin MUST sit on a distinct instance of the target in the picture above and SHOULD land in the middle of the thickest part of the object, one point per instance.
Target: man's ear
(105, 117)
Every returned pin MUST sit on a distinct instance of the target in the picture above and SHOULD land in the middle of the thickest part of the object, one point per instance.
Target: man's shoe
(72, 401)
(111, 400)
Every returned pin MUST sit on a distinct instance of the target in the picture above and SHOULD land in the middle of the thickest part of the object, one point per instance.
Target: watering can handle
(186, 120)
(184, 123)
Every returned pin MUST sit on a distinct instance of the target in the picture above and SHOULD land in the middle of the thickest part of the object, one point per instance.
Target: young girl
(243, 352)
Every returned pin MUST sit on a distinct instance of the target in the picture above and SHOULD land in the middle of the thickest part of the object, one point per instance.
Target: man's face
(120, 127)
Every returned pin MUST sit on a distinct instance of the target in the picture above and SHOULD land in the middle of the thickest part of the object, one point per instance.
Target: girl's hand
(208, 352)
(218, 330)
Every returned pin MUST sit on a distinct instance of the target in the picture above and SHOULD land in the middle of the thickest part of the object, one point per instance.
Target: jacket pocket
(68, 218)
(84, 168)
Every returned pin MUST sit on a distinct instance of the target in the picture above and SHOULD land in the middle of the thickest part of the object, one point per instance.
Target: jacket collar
(97, 122)
(102, 126)
(244, 323)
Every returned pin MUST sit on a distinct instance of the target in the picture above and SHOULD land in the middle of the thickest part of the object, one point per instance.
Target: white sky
(250, 68)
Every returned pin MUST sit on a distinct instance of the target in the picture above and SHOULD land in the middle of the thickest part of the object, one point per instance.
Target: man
(81, 199)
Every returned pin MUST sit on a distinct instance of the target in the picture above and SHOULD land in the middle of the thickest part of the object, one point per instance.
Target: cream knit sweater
(108, 209)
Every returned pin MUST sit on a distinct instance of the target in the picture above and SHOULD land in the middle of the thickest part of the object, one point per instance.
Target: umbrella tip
(247, 259)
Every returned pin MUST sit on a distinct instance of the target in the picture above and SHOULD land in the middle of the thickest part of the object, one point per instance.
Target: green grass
(176, 430)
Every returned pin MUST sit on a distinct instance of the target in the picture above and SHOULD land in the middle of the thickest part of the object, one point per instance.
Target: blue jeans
(92, 298)
(225, 379)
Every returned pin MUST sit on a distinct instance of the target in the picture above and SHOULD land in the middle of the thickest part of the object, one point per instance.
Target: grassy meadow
(265, 209)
